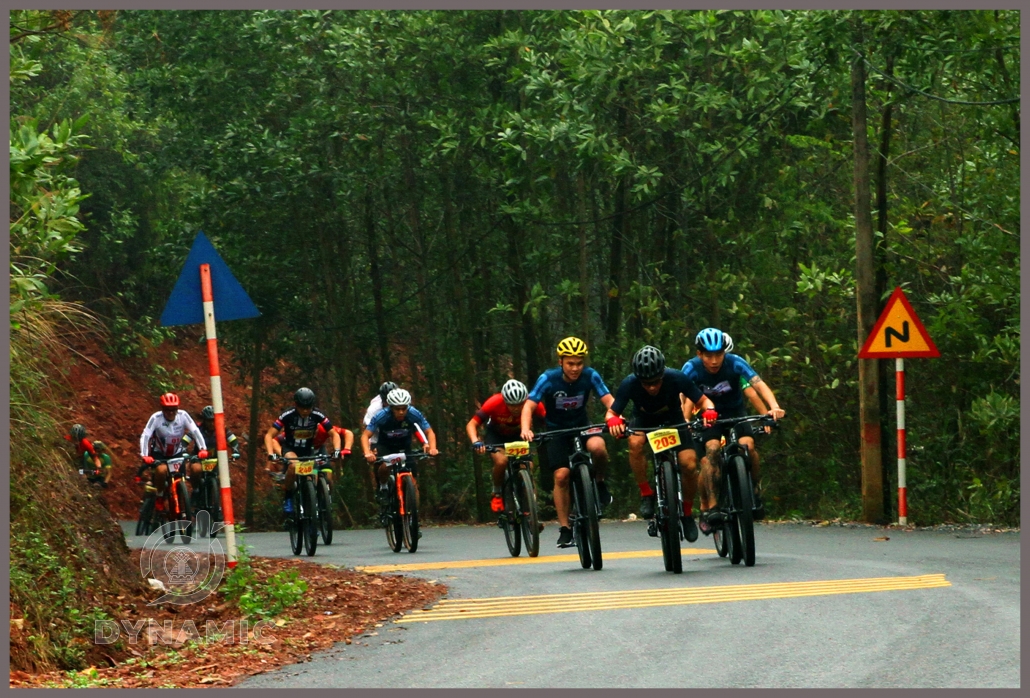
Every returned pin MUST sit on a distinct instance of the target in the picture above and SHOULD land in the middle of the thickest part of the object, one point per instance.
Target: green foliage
(265, 599)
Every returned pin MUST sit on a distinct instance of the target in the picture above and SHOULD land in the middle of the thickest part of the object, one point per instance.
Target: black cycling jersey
(665, 405)
(212, 443)
(299, 432)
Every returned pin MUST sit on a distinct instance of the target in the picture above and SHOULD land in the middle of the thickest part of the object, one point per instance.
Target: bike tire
(670, 529)
(214, 495)
(325, 511)
(409, 521)
(294, 523)
(146, 512)
(745, 514)
(186, 515)
(578, 522)
(721, 541)
(528, 518)
(510, 521)
(309, 518)
(394, 534)
(593, 517)
(730, 529)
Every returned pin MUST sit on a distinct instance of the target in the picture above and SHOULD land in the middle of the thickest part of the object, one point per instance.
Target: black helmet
(78, 432)
(648, 363)
(385, 389)
(304, 397)
(207, 413)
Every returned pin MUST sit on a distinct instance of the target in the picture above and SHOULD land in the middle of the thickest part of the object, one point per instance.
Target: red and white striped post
(216, 401)
(899, 372)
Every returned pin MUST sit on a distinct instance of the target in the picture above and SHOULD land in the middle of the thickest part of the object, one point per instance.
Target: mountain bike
(324, 497)
(519, 519)
(303, 522)
(399, 514)
(668, 516)
(586, 503)
(208, 497)
(147, 522)
(735, 534)
(174, 505)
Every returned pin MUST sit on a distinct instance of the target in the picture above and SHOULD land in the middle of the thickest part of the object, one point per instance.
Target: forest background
(438, 197)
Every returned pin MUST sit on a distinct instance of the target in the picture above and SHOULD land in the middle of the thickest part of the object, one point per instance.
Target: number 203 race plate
(663, 439)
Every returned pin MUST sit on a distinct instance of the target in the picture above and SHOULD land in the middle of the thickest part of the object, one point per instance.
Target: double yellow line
(499, 561)
(461, 609)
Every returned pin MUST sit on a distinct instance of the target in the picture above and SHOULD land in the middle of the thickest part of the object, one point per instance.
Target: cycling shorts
(560, 448)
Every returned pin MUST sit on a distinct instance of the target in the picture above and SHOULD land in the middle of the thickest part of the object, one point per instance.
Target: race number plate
(210, 463)
(303, 468)
(517, 448)
(663, 439)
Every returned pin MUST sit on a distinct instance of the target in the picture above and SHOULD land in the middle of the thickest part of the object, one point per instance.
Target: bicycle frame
(400, 469)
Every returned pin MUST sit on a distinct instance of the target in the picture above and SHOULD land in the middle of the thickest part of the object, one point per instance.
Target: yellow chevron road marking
(496, 562)
(457, 609)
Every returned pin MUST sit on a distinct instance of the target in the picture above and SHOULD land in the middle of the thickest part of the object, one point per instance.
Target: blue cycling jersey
(723, 386)
(566, 403)
(393, 429)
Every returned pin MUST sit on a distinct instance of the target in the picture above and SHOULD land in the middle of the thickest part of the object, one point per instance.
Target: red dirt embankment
(114, 402)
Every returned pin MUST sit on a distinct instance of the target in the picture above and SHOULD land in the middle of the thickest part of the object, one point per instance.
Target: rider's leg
(749, 442)
(290, 477)
(599, 454)
(497, 476)
(160, 476)
(688, 468)
(710, 472)
(638, 464)
(562, 496)
(194, 473)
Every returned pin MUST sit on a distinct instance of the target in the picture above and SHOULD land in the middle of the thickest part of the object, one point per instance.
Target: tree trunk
(865, 281)
(584, 279)
(257, 365)
(615, 264)
(524, 320)
(377, 285)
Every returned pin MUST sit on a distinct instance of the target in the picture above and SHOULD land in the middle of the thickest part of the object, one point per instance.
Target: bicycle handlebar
(408, 455)
(698, 424)
(648, 430)
(589, 430)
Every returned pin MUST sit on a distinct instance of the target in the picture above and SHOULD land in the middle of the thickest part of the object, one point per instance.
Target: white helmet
(514, 392)
(398, 397)
(727, 342)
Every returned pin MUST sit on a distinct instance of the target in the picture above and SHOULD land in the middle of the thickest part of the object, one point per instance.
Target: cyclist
(749, 392)
(377, 403)
(718, 374)
(105, 457)
(500, 417)
(163, 437)
(395, 426)
(86, 451)
(299, 426)
(345, 435)
(564, 390)
(655, 391)
(207, 428)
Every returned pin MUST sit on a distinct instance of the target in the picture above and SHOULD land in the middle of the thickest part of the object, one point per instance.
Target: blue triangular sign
(185, 306)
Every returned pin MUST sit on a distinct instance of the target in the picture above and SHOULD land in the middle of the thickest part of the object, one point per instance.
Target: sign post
(899, 334)
(193, 303)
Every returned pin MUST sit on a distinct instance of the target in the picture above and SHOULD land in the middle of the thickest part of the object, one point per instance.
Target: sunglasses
(651, 384)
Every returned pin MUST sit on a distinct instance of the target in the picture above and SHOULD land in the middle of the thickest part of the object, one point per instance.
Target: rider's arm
(431, 435)
(336, 439)
(470, 429)
(148, 432)
(527, 416)
(752, 396)
(194, 430)
(607, 400)
(775, 411)
(269, 438)
(348, 439)
(366, 442)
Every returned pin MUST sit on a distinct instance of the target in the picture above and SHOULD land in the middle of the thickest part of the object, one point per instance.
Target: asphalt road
(822, 607)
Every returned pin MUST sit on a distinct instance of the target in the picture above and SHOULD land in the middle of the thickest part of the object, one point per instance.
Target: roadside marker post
(899, 334)
(192, 302)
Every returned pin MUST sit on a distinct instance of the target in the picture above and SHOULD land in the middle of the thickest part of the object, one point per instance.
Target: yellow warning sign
(898, 333)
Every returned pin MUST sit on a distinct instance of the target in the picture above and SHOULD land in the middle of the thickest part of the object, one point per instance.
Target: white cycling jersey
(373, 409)
(167, 436)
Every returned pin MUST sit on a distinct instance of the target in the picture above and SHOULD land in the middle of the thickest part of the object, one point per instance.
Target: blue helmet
(710, 339)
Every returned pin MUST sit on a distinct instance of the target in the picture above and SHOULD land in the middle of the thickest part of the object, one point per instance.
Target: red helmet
(169, 400)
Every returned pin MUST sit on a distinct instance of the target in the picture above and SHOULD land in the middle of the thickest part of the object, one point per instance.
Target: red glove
(615, 421)
(137, 479)
(709, 415)
(149, 460)
(202, 454)
(344, 451)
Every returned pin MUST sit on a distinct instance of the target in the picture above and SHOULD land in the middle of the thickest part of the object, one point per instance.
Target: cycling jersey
(723, 387)
(395, 435)
(373, 409)
(321, 435)
(209, 437)
(665, 405)
(299, 432)
(495, 412)
(83, 446)
(164, 439)
(566, 403)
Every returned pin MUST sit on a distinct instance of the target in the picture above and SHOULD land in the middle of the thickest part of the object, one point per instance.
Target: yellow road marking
(457, 609)
(498, 561)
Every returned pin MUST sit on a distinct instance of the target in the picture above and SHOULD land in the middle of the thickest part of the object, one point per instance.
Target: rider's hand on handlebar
(776, 413)
(202, 454)
(616, 426)
(432, 452)
(370, 457)
(709, 416)
(149, 460)
(527, 434)
(479, 447)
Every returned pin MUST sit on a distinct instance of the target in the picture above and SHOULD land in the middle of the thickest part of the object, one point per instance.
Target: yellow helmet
(572, 346)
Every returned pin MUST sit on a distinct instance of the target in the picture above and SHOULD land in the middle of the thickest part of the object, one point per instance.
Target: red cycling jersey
(496, 410)
(84, 445)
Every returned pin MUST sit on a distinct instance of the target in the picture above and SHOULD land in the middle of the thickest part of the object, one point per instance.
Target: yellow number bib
(209, 463)
(517, 448)
(303, 468)
(663, 439)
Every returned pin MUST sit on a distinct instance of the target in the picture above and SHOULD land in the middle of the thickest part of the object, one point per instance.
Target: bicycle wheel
(214, 496)
(325, 511)
(671, 524)
(721, 542)
(309, 517)
(409, 521)
(510, 521)
(146, 512)
(294, 523)
(185, 522)
(592, 519)
(528, 517)
(730, 531)
(578, 521)
(743, 504)
(394, 534)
